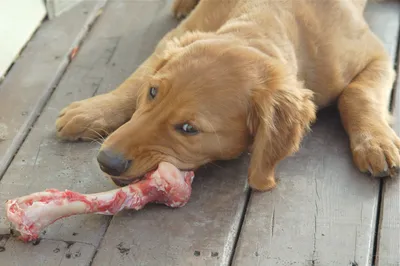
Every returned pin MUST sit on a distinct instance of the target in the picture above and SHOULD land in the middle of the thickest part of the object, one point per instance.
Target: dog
(245, 74)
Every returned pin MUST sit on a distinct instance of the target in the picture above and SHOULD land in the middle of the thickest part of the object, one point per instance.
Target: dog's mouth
(124, 182)
(164, 171)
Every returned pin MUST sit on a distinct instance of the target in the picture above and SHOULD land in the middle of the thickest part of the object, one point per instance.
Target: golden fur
(248, 73)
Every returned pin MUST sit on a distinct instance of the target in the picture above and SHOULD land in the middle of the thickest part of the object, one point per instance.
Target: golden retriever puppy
(245, 73)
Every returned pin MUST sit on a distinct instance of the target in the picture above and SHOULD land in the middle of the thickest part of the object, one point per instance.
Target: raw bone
(31, 214)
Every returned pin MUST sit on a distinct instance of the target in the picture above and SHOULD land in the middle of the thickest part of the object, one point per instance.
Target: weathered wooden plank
(44, 162)
(47, 252)
(31, 80)
(57, 7)
(388, 249)
(323, 210)
(201, 233)
(383, 18)
(388, 245)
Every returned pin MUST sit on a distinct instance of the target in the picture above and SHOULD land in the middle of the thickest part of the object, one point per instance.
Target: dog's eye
(153, 92)
(187, 128)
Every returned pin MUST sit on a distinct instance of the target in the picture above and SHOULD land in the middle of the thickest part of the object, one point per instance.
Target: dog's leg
(100, 115)
(363, 107)
(182, 8)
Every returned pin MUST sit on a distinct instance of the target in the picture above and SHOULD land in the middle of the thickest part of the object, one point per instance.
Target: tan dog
(237, 73)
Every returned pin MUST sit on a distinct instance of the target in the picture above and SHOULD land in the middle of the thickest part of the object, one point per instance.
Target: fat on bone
(30, 214)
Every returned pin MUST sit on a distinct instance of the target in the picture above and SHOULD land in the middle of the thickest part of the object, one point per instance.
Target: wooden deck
(323, 212)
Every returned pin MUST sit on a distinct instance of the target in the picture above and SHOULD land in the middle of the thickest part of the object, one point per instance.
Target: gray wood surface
(388, 247)
(45, 162)
(32, 78)
(47, 252)
(323, 211)
(386, 17)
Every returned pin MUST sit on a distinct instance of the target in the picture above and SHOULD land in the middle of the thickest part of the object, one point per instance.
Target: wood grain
(31, 80)
(47, 252)
(388, 246)
(386, 17)
(44, 162)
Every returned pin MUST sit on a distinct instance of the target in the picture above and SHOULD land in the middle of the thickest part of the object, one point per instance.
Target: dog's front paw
(88, 119)
(261, 182)
(182, 8)
(377, 153)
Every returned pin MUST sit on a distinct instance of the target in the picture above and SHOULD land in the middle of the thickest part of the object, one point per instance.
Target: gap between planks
(382, 185)
(92, 13)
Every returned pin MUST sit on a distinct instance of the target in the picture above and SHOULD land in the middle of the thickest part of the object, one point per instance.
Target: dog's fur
(248, 73)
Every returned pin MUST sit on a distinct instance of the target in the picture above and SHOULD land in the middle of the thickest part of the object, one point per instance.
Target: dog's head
(209, 99)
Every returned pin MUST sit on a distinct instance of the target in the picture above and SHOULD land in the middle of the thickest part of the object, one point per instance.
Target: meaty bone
(30, 214)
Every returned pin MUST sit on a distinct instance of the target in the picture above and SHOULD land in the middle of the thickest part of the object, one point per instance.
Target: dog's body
(240, 73)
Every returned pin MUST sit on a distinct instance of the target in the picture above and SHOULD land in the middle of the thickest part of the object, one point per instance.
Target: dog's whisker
(106, 133)
(92, 140)
(219, 166)
(95, 132)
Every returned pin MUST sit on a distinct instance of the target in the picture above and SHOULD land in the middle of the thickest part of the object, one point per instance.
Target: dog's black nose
(113, 163)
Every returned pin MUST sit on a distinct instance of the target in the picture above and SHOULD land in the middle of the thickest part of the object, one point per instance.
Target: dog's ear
(280, 114)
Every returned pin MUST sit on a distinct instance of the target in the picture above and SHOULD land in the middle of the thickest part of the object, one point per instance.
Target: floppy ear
(282, 111)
